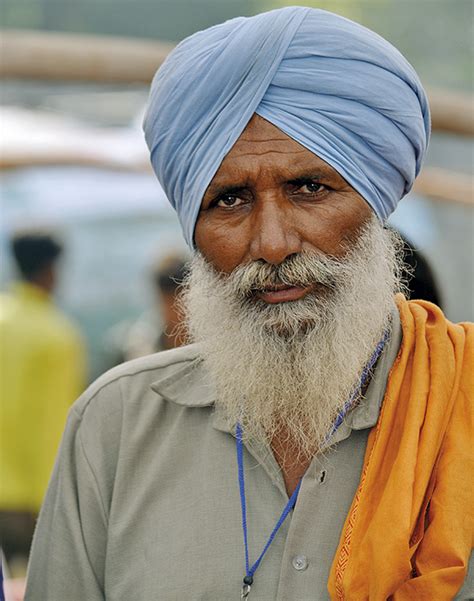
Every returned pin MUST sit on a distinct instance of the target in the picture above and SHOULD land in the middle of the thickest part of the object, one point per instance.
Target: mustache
(302, 269)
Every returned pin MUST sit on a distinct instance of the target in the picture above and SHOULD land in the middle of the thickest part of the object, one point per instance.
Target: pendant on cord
(248, 581)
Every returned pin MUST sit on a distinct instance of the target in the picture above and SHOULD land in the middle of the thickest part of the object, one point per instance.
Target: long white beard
(291, 366)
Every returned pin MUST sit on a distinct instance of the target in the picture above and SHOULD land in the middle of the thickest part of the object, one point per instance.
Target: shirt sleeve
(68, 552)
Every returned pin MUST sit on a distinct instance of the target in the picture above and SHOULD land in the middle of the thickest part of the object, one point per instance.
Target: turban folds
(337, 88)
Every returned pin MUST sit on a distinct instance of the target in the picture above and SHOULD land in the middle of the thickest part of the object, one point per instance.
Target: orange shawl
(408, 534)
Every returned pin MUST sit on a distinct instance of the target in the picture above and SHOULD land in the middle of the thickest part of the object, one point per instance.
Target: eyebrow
(221, 189)
(218, 189)
(316, 177)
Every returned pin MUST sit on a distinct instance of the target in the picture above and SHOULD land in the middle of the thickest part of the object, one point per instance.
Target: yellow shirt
(41, 374)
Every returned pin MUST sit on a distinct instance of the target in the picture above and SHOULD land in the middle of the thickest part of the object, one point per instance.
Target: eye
(311, 187)
(228, 201)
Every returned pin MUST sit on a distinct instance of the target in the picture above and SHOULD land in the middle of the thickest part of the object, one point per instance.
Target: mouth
(282, 293)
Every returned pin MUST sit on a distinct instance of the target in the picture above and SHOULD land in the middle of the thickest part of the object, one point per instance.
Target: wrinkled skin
(270, 198)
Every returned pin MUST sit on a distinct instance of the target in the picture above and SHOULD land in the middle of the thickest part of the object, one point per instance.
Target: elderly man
(314, 442)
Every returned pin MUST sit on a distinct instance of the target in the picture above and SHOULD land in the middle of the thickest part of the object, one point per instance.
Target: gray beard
(290, 367)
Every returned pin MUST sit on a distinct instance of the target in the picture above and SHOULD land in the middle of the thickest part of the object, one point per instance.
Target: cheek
(329, 227)
(222, 245)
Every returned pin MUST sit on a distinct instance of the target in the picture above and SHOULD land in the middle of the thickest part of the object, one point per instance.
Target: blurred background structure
(75, 76)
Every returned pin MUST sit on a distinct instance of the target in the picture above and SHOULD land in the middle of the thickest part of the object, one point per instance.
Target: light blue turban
(334, 86)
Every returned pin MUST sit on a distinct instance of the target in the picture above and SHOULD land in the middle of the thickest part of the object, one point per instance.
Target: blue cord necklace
(251, 569)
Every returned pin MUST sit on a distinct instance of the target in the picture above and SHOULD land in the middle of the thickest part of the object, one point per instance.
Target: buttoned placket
(305, 561)
(300, 568)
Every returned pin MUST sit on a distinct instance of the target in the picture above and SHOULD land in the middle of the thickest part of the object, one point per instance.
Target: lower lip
(283, 296)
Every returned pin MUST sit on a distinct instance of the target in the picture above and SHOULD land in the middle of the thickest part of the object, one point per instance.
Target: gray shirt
(144, 501)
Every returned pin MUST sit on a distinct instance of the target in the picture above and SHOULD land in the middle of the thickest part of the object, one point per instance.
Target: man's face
(277, 224)
(272, 198)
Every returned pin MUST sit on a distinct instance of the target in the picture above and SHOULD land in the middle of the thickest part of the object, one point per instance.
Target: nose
(274, 236)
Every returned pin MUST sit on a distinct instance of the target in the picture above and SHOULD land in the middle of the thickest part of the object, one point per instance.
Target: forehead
(262, 145)
(259, 130)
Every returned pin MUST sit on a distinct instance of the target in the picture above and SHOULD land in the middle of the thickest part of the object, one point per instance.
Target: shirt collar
(189, 384)
(31, 292)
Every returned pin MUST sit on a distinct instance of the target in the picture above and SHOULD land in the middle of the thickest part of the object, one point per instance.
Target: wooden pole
(74, 57)
(449, 186)
(452, 112)
(106, 59)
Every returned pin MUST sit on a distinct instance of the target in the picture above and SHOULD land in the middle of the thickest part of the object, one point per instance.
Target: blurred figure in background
(422, 283)
(159, 328)
(41, 374)
(168, 276)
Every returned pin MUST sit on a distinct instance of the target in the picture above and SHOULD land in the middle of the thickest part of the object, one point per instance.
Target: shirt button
(300, 562)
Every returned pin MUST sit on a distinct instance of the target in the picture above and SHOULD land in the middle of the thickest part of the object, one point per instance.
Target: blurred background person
(41, 374)
(421, 281)
(159, 328)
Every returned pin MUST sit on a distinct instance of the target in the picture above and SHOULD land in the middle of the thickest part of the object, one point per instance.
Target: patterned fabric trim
(344, 553)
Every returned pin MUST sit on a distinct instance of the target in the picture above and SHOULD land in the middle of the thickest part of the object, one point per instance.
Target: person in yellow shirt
(41, 374)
